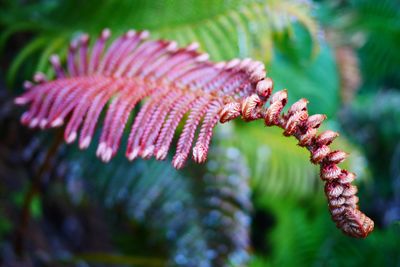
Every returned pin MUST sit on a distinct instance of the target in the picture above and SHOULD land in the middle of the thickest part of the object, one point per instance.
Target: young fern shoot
(175, 81)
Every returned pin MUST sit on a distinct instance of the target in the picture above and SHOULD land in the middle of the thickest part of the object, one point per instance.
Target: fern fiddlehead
(176, 81)
(296, 122)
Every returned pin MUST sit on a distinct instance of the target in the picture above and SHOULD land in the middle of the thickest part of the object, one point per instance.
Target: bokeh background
(257, 201)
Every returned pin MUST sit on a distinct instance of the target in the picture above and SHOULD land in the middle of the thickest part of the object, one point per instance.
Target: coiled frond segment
(297, 122)
(173, 81)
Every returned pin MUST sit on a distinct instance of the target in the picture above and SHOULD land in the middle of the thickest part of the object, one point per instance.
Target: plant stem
(34, 190)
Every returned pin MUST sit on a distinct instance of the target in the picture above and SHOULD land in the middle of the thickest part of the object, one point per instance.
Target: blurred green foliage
(225, 29)
(201, 221)
(295, 229)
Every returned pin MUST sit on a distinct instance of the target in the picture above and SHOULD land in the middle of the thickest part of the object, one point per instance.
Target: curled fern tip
(171, 82)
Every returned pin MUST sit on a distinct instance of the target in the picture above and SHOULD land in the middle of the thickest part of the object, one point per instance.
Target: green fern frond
(374, 28)
(303, 239)
(204, 219)
(246, 29)
(278, 167)
(225, 30)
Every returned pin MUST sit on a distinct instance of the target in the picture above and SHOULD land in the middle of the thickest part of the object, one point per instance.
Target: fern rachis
(177, 81)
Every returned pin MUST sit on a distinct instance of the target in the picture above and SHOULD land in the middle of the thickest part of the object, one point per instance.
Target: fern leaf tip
(101, 149)
(57, 122)
(202, 58)
(193, 47)
(130, 34)
(43, 124)
(144, 34)
(179, 161)
(105, 154)
(133, 154)
(200, 153)
(230, 111)
(147, 152)
(55, 60)
(84, 144)
(21, 101)
(70, 138)
(172, 47)
(161, 153)
(33, 123)
(105, 34)
(27, 85)
(39, 77)
(264, 88)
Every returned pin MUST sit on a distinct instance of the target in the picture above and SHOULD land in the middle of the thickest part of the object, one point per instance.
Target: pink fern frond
(147, 143)
(211, 118)
(98, 49)
(172, 82)
(175, 80)
(187, 135)
(166, 135)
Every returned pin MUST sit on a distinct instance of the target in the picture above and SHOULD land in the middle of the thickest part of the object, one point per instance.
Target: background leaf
(224, 29)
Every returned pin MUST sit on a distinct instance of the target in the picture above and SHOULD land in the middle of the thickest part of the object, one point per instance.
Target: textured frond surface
(175, 81)
(341, 194)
